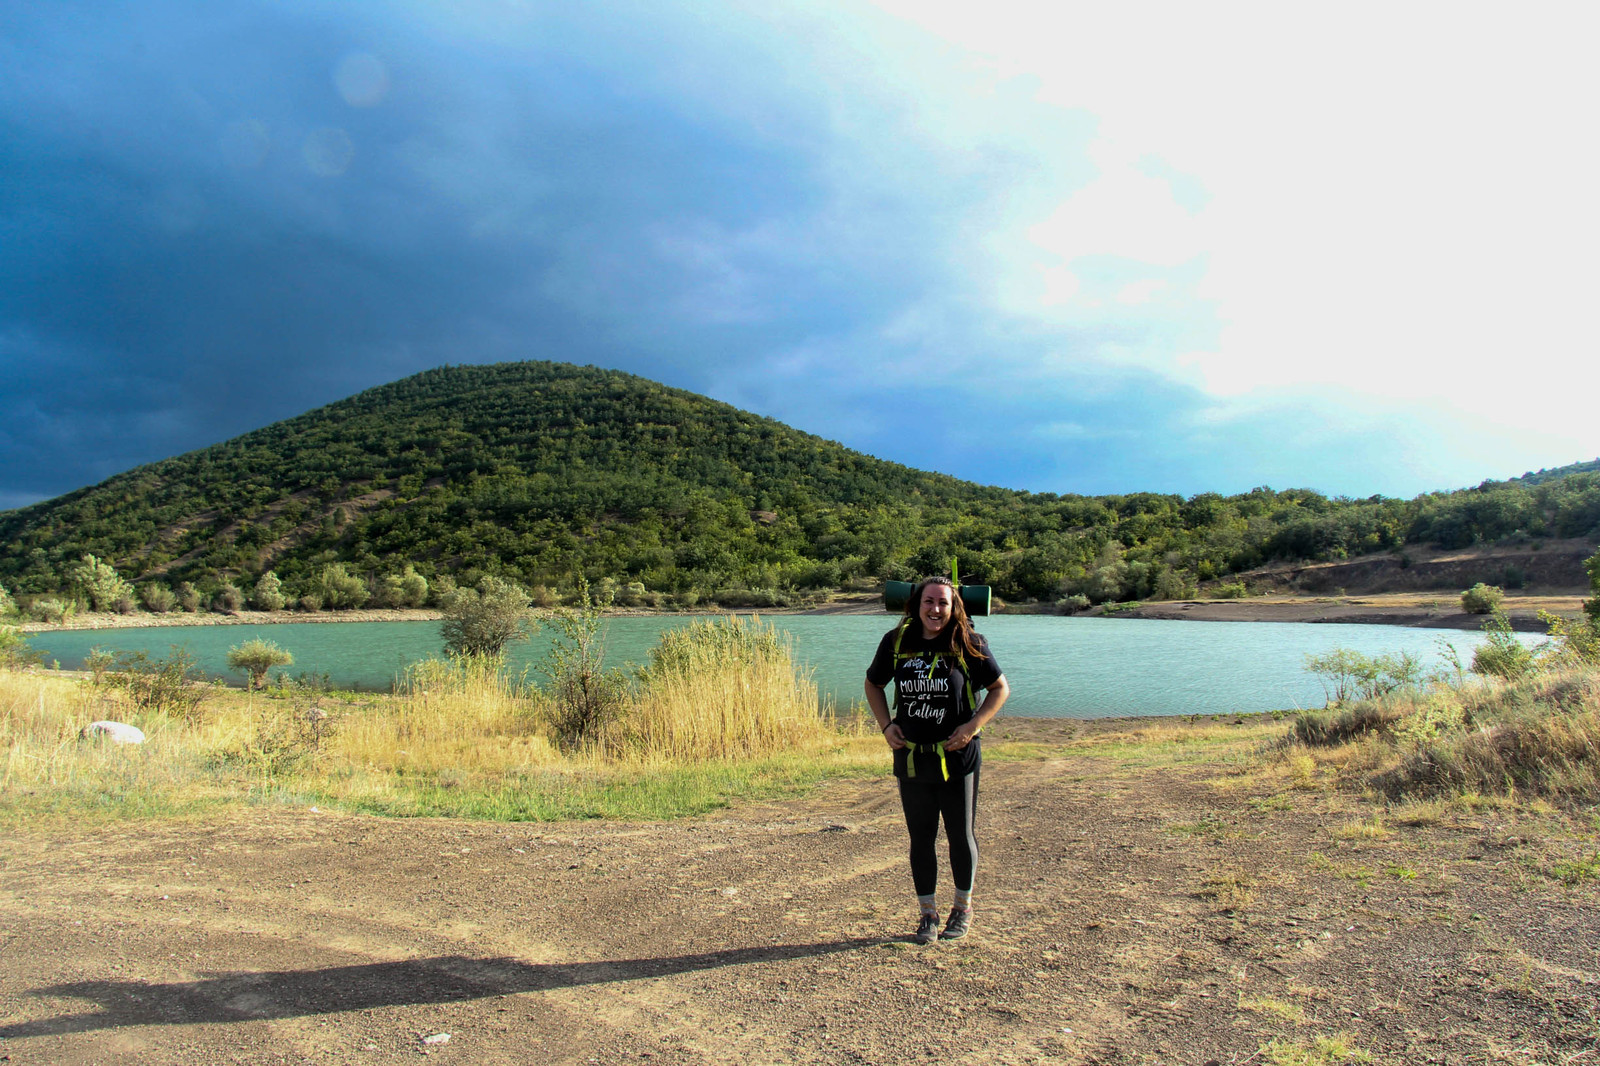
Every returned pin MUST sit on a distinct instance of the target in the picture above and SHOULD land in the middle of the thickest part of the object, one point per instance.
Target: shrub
(157, 598)
(340, 590)
(14, 650)
(287, 739)
(1572, 643)
(97, 662)
(1074, 603)
(1233, 590)
(7, 604)
(97, 583)
(1537, 735)
(168, 686)
(443, 587)
(309, 602)
(125, 603)
(483, 621)
(187, 595)
(255, 658)
(405, 589)
(585, 697)
(1348, 674)
(47, 609)
(413, 588)
(1481, 598)
(1501, 655)
(267, 595)
(228, 600)
(1171, 584)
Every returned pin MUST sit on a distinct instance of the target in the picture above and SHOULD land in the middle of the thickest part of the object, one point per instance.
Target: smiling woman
(937, 663)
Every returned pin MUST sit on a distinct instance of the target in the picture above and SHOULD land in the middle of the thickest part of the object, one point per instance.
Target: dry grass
(1536, 737)
(460, 738)
(1230, 889)
(721, 689)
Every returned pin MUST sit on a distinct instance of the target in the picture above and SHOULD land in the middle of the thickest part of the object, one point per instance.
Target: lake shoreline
(1413, 610)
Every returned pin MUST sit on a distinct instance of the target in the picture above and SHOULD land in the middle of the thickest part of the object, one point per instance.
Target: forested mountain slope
(545, 472)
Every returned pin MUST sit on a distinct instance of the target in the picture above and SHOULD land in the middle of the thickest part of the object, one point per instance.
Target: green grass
(1289, 1012)
(1577, 871)
(1321, 1051)
(630, 794)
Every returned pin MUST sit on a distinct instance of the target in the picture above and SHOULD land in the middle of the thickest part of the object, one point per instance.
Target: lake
(1057, 667)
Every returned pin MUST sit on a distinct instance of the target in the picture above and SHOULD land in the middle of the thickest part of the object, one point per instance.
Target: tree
(7, 604)
(339, 589)
(268, 593)
(413, 587)
(228, 599)
(483, 621)
(405, 589)
(98, 584)
(255, 658)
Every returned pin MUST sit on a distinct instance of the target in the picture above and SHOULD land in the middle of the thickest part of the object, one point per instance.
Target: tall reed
(465, 713)
(720, 689)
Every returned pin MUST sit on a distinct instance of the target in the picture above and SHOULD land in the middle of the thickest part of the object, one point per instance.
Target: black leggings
(924, 802)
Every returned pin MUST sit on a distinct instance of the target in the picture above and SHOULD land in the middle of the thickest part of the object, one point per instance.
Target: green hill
(544, 472)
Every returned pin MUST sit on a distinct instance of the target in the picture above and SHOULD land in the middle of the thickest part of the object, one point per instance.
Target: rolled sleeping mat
(975, 598)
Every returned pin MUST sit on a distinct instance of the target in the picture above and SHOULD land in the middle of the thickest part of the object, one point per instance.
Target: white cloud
(1398, 200)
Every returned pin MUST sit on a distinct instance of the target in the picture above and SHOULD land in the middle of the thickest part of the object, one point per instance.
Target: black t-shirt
(931, 687)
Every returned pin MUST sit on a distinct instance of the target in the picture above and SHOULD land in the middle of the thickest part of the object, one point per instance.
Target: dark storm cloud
(203, 235)
(215, 216)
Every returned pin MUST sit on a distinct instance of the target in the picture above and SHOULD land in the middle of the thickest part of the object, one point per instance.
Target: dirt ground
(1125, 914)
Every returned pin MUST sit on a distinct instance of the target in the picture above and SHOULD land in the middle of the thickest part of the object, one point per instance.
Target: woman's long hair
(958, 634)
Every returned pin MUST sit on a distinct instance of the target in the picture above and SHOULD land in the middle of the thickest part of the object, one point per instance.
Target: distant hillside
(1539, 477)
(545, 472)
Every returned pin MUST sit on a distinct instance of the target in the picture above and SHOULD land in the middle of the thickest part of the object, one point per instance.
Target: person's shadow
(294, 993)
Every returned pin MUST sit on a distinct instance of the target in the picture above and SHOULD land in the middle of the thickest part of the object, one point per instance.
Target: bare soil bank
(1398, 609)
(1125, 915)
(1549, 567)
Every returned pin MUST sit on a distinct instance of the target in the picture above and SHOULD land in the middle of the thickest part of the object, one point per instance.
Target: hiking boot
(927, 929)
(960, 921)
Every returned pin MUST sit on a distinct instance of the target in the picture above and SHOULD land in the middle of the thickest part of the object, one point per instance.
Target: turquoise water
(1057, 667)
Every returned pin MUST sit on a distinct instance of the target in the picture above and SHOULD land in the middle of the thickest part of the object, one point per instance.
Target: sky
(1062, 247)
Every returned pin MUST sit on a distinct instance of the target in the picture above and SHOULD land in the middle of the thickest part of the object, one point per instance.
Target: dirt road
(1125, 915)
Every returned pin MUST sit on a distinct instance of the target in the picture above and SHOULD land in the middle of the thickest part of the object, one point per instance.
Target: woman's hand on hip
(893, 735)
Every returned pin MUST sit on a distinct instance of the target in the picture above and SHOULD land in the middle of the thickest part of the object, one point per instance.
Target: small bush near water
(1482, 599)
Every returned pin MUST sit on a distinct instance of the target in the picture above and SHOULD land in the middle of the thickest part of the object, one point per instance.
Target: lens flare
(361, 79)
(328, 151)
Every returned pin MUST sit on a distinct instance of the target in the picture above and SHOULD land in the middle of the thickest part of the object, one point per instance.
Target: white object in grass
(116, 732)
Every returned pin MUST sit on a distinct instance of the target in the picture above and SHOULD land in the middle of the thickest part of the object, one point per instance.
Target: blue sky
(1177, 248)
